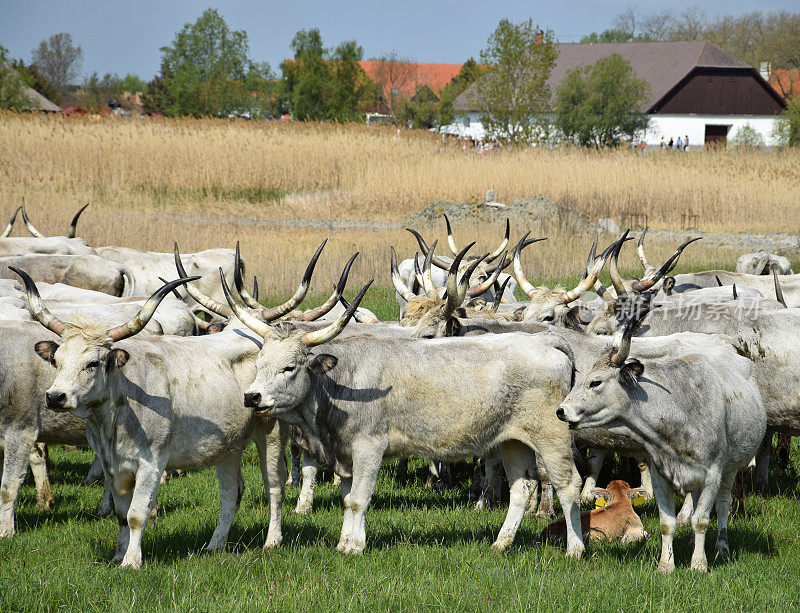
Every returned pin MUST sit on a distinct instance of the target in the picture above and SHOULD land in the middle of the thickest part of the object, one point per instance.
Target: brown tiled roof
(661, 64)
(435, 76)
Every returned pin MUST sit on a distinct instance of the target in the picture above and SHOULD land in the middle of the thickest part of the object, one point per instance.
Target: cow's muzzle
(258, 403)
(561, 414)
(55, 400)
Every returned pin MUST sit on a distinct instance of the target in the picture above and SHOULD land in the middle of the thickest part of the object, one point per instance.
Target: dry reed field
(202, 182)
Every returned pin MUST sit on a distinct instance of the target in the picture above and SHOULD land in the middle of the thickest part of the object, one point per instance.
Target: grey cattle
(762, 262)
(85, 271)
(696, 410)
(38, 243)
(763, 283)
(161, 403)
(371, 399)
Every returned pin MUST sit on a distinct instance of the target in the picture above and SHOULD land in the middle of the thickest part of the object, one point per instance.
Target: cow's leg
(44, 493)
(347, 519)
(297, 456)
(703, 503)
(18, 447)
(148, 478)
(367, 457)
(556, 458)
(545, 509)
(595, 461)
(231, 488)
(685, 514)
(662, 491)
(533, 501)
(519, 462)
(95, 472)
(492, 480)
(723, 504)
(270, 438)
(761, 474)
(646, 482)
(305, 502)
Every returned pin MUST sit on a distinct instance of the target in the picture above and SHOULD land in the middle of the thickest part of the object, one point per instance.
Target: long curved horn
(436, 260)
(503, 244)
(325, 307)
(450, 242)
(640, 251)
(281, 310)
(311, 339)
(238, 282)
(427, 281)
(592, 256)
(593, 275)
(401, 287)
(174, 291)
(477, 290)
(498, 296)
(523, 283)
(616, 278)
(719, 283)
(139, 321)
(778, 290)
(454, 295)
(358, 315)
(73, 226)
(251, 321)
(650, 280)
(9, 227)
(202, 299)
(28, 223)
(621, 344)
(36, 305)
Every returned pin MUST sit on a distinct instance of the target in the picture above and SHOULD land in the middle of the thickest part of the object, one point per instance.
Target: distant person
(663, 144)
(679, 144)
(671, 143)
(686, 143)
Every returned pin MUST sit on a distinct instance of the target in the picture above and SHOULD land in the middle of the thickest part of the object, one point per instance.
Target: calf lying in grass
(617, 521)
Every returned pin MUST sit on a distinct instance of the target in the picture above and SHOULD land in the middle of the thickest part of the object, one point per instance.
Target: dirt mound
(536, 213)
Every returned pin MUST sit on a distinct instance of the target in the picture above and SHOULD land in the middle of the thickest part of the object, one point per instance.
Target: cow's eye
(595, 383)
(93, 364)
(549, 317)
(289, 367)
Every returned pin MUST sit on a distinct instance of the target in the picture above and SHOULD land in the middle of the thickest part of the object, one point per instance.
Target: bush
(747, 137)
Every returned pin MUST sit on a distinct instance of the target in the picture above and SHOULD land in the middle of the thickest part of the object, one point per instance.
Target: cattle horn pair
(492, 256)
(40, 312)
(73, 225)
(650, 280)
(10, 226)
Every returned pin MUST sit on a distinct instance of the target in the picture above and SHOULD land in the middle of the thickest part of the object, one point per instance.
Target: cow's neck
(102, 422)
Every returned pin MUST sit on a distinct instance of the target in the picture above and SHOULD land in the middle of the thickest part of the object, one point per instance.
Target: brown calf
(617, 521)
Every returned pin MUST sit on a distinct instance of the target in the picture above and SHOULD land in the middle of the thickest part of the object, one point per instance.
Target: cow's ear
(597, 492)
(116, 358)
(217, 326)
(634, 492)
(46, 350)
(322, 363)
(452, 327)
(572, 319)
(630, 372)
(518, 314)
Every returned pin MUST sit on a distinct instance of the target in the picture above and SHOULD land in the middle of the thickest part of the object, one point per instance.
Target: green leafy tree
(513, 95)
(347, 82)
(59, 61)
(615, 36)
(420, 111)
(306, 80)
(206, 69)
(97, 92)
(133, 83)
(31, 76)
(787, 127)
(600, 104)
(12, 94)
(157, 97)
(469, 72)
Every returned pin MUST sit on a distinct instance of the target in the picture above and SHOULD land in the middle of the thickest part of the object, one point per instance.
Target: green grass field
(426, 549)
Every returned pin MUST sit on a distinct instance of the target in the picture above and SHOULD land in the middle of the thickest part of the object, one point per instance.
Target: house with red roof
(404, 78)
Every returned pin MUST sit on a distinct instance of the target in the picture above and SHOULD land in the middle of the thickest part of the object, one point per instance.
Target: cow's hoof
(6, 532)
(303, 509)
(722, 551)
(546, 514)
(349, 549)
(700, 566)
(501, 545)
(665, 568)
(575, 552)
(45, 505)
(272, 542)
(105, 510)
(133, 564)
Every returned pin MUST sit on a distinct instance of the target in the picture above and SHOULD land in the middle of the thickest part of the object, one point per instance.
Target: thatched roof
(39, 102)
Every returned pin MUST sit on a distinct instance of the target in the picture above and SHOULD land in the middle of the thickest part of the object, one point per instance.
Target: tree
(59, 61)
(600, 104)
(133, 83)
(306, 79)
(747, 137)
(469, 72)
(393, 75)
(420, 111)
(97, 92)
(12, 93)
(157, 97)
(347, 82)
(206, 69)
(31, 76)
(787, 128)
(513, 95)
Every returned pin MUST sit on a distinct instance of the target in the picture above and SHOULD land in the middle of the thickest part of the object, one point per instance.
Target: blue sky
(125, 36)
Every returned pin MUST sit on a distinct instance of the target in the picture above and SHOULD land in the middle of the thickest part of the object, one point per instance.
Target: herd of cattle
(689, 374)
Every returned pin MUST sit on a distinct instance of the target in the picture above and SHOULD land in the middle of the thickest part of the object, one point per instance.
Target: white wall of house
(694, 126)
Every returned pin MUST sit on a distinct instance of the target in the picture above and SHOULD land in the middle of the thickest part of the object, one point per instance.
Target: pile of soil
(536, 213)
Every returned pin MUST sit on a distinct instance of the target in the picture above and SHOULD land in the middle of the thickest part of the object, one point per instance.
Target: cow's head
(286, 366)
(616, 491)
(603, 394)
(87, 355)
